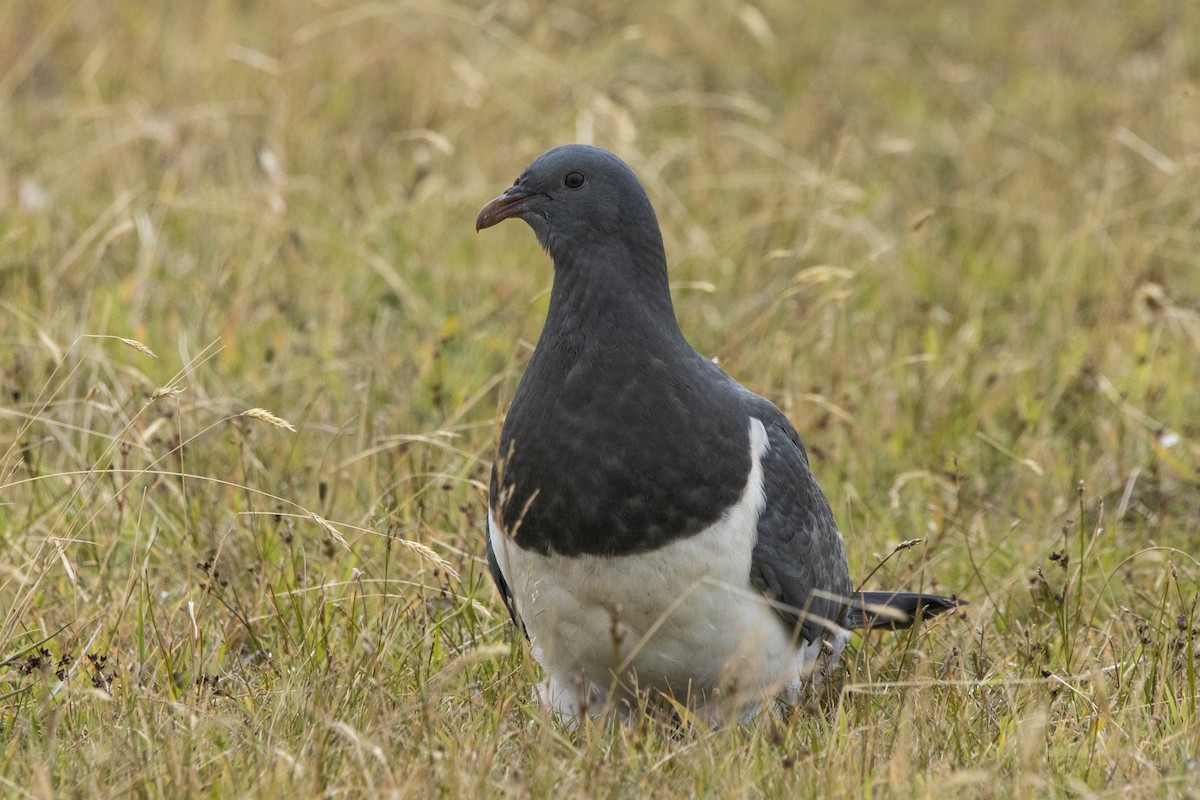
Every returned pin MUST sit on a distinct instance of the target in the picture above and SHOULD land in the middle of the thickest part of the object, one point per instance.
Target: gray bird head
(576, 197)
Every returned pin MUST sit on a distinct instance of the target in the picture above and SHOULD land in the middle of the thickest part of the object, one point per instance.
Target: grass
(958, 243)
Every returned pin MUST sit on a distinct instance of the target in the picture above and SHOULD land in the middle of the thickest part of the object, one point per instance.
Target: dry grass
(958, 243)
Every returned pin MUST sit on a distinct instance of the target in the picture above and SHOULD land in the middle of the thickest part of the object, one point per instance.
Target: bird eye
(573, 180)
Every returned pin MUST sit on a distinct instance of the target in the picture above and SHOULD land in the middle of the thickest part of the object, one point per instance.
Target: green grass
(959, 244)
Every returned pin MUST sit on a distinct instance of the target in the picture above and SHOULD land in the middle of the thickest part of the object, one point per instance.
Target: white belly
(682, 619)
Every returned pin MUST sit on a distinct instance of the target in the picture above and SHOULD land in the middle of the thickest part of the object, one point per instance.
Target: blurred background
(958, 243)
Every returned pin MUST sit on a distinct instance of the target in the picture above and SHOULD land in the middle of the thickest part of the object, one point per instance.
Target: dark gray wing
(502, 586)
(494, 565)
(890, 611)
(799, 560)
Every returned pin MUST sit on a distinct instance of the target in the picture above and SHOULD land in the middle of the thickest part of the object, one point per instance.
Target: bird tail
(889, 611)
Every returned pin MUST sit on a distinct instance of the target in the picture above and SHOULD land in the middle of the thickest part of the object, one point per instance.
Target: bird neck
(613, 287)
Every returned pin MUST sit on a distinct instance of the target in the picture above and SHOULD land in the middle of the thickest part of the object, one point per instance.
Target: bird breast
(682, 618)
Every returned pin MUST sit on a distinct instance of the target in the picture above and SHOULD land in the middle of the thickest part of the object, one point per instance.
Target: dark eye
(573, 180)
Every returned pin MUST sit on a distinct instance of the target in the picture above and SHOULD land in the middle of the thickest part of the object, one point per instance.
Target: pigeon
(653, 526)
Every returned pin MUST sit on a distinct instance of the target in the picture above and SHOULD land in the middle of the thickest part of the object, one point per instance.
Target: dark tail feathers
(889, 611)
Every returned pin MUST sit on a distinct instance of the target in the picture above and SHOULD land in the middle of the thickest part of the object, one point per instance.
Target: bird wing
(493, 564)
(890, 611)
(799, 560)
(502, 585)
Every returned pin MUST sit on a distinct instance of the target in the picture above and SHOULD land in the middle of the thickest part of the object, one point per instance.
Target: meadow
(254, 359)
